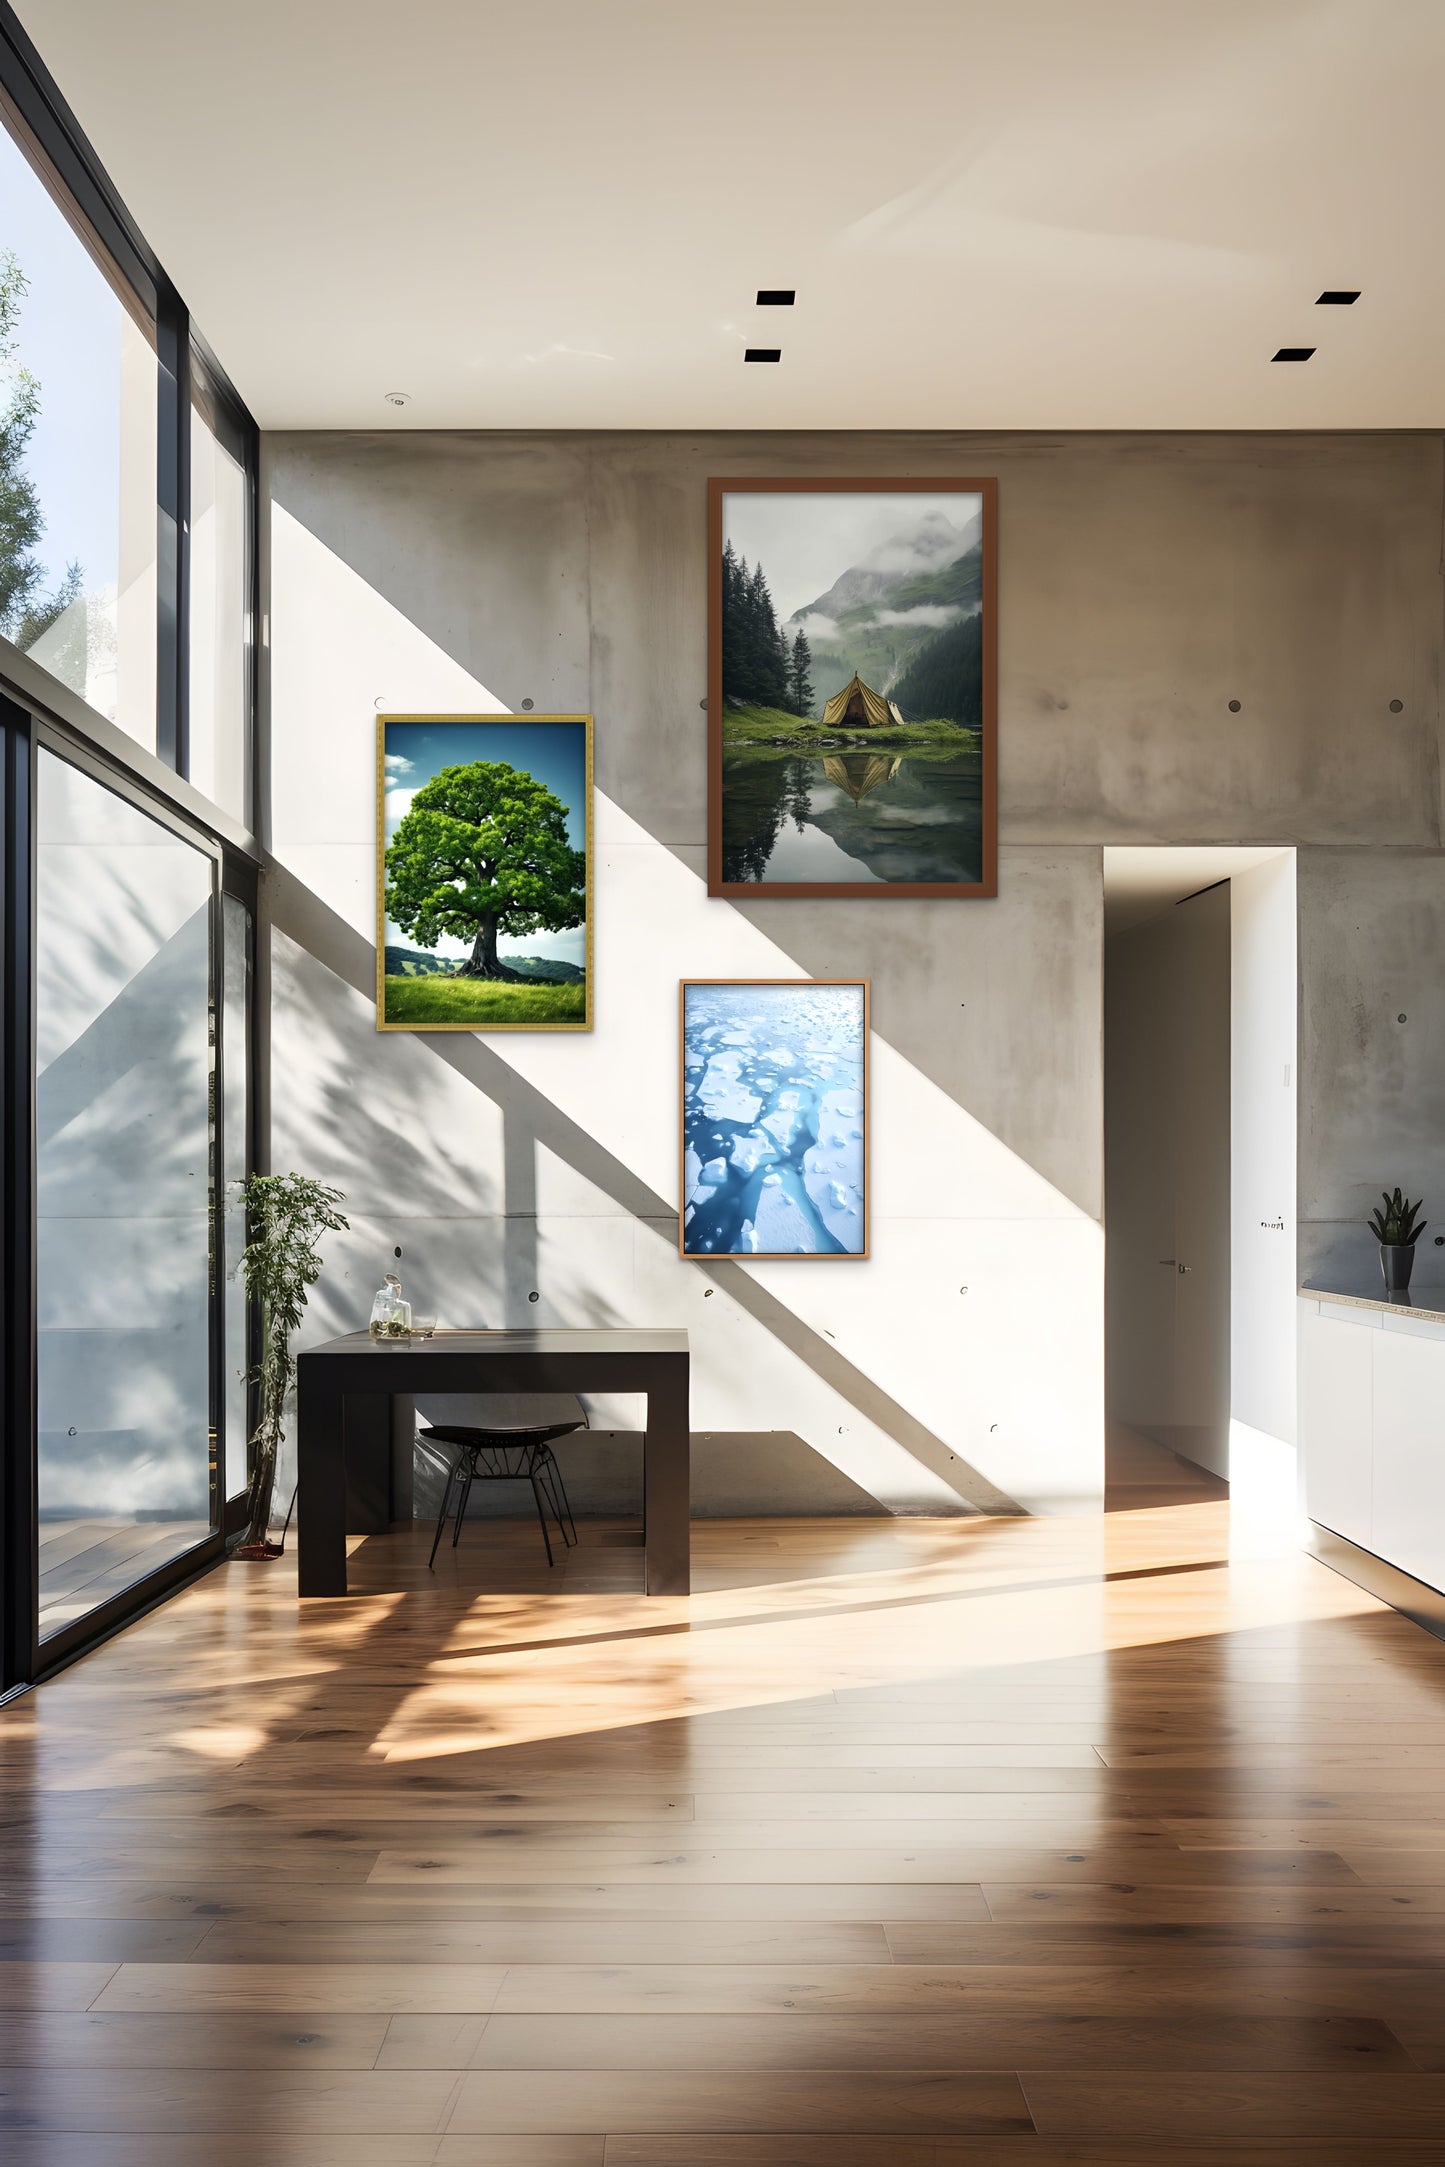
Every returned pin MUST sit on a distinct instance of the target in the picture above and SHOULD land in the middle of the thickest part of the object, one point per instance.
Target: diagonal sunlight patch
(804, 1646)
(932, 1327)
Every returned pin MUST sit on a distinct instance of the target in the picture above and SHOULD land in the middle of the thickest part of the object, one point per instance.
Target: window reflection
(77, 460)
(122, 1110)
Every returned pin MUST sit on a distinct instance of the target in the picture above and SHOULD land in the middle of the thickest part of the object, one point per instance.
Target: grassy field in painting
(480, 1004)
(771, 726)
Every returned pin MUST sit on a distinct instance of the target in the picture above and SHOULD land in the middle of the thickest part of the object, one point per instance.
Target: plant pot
(1396, 1259)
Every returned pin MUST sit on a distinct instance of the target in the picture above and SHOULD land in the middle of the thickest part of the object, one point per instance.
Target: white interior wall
(1264, 1078)
(1264, 1268)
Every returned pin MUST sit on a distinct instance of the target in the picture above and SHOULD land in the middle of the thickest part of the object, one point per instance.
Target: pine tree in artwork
(733, 575)
(756, 661)
(800, 683)
(774, 646)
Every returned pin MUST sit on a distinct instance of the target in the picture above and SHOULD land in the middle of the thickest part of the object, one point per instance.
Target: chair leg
(452, 1472)
(553, 1481)
(541, 1515)
(462, 1505)
(562, 1493)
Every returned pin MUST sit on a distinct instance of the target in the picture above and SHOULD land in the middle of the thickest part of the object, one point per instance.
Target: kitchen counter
(1369, 1293)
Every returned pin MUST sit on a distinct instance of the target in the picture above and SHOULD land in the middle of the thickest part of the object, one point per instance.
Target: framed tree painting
(484, 873)
(851, 688)
(774, 1118)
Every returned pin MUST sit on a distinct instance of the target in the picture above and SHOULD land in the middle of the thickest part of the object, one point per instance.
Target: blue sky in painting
(554, 752)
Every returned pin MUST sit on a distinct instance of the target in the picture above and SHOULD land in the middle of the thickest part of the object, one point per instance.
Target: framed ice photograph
(851, 688)
(774, 1118)
(484, 873)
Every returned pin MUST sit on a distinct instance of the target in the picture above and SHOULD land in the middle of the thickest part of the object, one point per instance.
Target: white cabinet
(1335, 1396)
(1409, 1449)
(1372, 1431)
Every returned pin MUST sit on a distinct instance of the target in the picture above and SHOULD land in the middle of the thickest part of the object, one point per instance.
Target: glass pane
(235, 1013)
(123, 1083)
(218, 620)
(77, 460)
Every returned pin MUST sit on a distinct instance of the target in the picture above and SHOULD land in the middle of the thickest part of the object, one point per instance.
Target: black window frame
(49, 134)
(36, 710)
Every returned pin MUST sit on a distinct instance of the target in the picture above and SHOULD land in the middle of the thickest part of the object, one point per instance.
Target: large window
(123, 1109)
(78, 459)
(127, 927)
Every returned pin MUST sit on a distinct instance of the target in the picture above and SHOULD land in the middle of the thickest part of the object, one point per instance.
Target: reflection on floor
(900, 1844)
(85, 1562)
(1138, 1473)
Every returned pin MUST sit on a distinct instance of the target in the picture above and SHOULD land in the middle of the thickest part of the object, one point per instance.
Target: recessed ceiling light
(397, 398)
(776, 296)
(1293, 353)
(1337, 297)
(763, 353)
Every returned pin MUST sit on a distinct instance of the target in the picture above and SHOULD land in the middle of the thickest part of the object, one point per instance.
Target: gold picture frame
(475, 1002)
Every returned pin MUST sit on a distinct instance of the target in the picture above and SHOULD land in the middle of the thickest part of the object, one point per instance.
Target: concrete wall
(1372, 1051)
(1145, 583)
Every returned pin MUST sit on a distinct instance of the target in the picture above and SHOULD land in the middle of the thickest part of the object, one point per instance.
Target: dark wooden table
(356, 1424)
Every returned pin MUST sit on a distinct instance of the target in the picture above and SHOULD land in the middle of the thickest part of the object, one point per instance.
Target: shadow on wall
(929, 1377)
(122, 1148)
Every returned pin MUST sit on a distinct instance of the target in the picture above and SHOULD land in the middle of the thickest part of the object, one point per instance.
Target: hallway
(901, 1843)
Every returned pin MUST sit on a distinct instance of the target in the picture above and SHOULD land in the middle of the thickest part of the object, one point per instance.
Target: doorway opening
(1200, 1066)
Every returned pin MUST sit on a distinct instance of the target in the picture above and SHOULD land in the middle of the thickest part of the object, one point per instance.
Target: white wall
(1264, 1076)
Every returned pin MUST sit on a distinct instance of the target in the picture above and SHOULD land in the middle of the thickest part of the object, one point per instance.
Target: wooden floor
(83, 1563)
(1005, 1843)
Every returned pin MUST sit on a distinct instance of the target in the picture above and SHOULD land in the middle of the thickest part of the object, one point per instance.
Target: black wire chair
(508, 1448)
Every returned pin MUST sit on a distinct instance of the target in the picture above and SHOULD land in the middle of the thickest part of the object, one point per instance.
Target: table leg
(321, 1480)
(666, 1489)
(403, 1455)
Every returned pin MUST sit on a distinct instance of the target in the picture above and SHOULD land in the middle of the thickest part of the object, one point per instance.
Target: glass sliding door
(124, 1150)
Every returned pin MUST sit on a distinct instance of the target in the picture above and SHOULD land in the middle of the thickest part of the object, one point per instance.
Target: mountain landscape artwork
(851, 688)
(484, 840)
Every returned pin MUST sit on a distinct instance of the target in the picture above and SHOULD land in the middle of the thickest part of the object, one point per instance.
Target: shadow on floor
(1140, 1475)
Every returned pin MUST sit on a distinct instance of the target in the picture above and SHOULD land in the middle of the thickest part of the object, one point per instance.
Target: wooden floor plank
(893, 1842)
(787, 2040)
(909, 2103)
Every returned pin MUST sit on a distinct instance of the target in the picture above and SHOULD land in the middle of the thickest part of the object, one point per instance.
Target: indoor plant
(1394, 1225)
(288, 1214)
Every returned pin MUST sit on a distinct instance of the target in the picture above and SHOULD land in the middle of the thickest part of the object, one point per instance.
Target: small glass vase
(390, 1315)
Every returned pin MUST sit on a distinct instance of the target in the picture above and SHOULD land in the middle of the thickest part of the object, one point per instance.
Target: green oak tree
(483, 851)
(24, 611)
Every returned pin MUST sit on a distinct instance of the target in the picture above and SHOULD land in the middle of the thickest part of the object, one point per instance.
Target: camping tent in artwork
(859, 707)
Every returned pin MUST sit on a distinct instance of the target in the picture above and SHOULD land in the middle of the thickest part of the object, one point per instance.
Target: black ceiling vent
(776, 296)
(1293, 353)
(763, 353)
(1337, 297)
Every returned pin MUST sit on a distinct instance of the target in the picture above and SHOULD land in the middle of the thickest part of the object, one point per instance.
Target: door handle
(1185, 1268)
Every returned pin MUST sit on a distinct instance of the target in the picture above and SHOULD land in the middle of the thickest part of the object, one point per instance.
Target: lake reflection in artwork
(852, 816)
(774, 1118)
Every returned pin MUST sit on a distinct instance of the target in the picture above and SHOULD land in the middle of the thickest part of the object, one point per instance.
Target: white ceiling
(1043, 214)
(1143, 881)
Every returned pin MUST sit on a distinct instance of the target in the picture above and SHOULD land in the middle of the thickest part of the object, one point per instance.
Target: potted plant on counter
(1397, 1230)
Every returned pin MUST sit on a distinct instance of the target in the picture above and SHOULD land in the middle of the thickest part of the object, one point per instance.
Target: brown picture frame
(987, 489)
(760, 1256)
